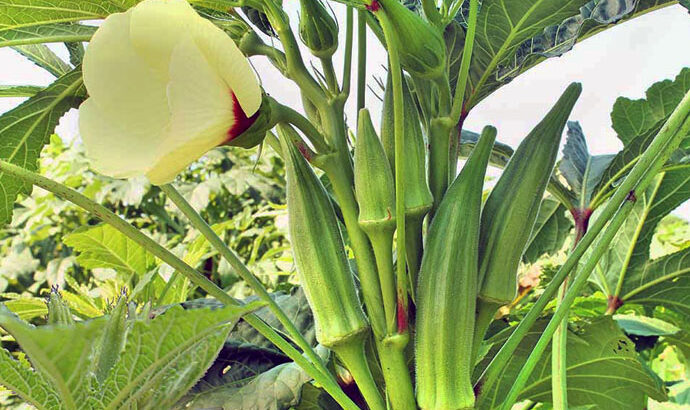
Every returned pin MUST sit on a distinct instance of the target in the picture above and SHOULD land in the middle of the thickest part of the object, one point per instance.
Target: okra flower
(165, 87)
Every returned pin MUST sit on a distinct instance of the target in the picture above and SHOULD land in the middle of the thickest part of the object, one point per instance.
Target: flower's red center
(242, 122)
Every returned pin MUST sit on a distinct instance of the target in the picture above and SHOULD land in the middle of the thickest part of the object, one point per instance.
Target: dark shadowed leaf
(550, 230)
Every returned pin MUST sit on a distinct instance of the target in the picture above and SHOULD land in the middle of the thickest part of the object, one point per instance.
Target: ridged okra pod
(323, 269)
(511, 210)
(447, 290)
(512, 206)
(375, 192)
(418, 198)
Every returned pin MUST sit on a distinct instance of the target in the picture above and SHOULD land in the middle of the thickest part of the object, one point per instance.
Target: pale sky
(622, 61)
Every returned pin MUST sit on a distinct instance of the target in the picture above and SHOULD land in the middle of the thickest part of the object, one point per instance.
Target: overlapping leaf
(25, 129)
(19, 90)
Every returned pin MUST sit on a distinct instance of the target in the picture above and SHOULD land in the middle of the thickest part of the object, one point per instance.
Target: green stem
(396, 372)
(413, 244)
(329, 72)
(291, 116)
(656, 155)
(398, 132)
(179, 265)
(439, 159)
(461, 84)
(559, 379)
(353, 357)
(361, 58)
(241, 269)
(347, 59)
(382, 242)
(604, 193)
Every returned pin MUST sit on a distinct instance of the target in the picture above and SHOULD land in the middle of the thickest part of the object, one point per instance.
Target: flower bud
(374, 185)
(421, 47)
(165, 87)
(319, 253)
(318, 29)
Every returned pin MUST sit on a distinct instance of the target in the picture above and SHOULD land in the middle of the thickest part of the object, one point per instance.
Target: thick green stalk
(240, 268)
(559, 370)
(107, 216)
(461, 85)
(352, 355)
(675, 128)
(347, 59)
(486, 311)
(399, 124)
(361, 58)
(382, 242)
(439, 159)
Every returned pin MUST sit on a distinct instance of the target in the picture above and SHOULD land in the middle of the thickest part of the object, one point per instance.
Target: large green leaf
(502, 26)
(102, 246)
(645, 326)
(164, 357)
(664, 281)
(581, 170)
(60, 354)
(550, 230)
(25, 129)
(632, 118)
(17, 14)
(19, 90)
(623, 267)
(593, 17)
(45, 58)
(602, 367)
(46, 33)
(28, 385)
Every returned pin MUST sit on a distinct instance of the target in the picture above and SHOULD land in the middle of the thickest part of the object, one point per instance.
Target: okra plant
(411, 266)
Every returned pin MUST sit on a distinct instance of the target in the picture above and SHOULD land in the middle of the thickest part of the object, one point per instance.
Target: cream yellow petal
(114, 148)
(119, 80)
(231, 64)
(156, 28)
(201, 107)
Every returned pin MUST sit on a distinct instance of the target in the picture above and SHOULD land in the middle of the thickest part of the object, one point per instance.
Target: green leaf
(45, 58)
(644, 326)
(602, 366)
(59, 353)
(46, 33)
(164, 357)
(550, 231)
(30, 386)
(593, 17)
(27, 308)
(632, 118)
(664, 281)
(502, 27)
(313, 398)
(276, 389)
(26, 128)
(625, 266)
(16, 14)
(582, 171)
(102, 246)
(19, 90)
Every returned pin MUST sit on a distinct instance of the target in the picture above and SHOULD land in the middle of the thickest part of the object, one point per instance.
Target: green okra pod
(447, 290)
(375, 192)
(323, 269)
(512, 206)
